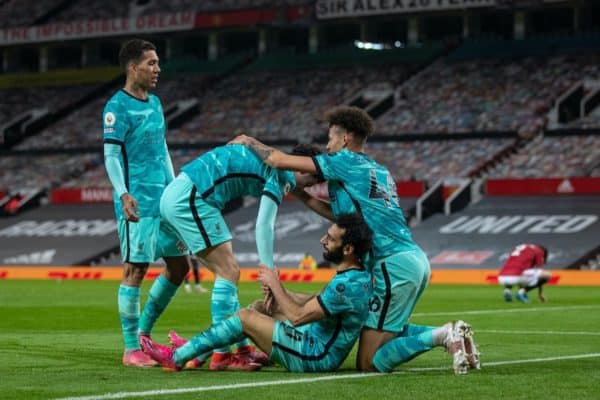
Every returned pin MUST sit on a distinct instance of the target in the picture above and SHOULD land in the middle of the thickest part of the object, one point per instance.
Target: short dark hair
(353, 119)
(307, 150)
(133, 50)
(356, 233)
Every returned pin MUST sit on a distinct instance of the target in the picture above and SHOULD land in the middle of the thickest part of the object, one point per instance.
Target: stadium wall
(450, 276)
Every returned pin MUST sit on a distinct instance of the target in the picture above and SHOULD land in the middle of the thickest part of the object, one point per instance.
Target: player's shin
(161, 293)
(222, 334)
(129, 313)
(224, 301)
(402, 349)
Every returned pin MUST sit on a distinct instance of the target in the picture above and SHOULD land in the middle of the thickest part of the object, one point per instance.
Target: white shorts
(529, 277)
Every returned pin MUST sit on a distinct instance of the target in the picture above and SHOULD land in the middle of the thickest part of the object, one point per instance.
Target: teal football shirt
(228, 172)
(359, 184)
(138, 127)
(345, 301)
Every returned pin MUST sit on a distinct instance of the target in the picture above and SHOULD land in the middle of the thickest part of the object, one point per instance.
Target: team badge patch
(109, 119)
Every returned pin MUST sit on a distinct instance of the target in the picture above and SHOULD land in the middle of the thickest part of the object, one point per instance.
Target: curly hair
(133, 50)
(356, 233)
(353, 119)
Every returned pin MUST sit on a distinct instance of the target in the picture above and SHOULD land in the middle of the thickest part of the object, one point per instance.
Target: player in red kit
(523, 268)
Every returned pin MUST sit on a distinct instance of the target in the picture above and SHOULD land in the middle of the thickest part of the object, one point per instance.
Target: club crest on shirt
(109, 119)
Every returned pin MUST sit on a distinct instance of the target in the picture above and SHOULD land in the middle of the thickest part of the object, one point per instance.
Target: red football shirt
(523, 257)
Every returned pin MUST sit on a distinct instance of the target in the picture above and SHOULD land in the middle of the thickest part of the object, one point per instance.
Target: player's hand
(265, 289)
(241, 139)
(268, 277)
(130, 208)
(269, 302)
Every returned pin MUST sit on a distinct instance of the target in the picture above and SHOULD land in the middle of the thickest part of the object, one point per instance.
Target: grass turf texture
(62, 339)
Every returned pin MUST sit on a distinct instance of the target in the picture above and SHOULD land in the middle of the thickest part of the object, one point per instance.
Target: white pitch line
(124, 395)
(510, 362)
(506, 310)
(538, 332)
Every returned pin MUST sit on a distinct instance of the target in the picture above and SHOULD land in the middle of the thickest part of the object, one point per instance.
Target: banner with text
(110, 27)
(438, 276)
(355, 8)
(481, 235)
(81, 195)
(58, 235)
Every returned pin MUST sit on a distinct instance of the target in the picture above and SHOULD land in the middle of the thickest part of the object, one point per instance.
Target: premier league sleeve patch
(109, 119)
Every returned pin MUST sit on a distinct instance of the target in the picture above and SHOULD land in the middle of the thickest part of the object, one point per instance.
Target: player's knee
(177, 269)
(259, 306)
(246, 314)
(133, 273)
(229, 269)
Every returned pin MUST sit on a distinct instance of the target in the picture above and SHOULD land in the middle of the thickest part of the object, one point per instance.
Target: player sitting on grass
(399, 267)
(318, 334)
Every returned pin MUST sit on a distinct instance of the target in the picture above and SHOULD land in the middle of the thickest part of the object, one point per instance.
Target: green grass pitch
(62, 339)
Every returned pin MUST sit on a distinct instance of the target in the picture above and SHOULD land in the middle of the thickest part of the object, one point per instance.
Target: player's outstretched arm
(297, 314)
(276, 158)
(265, 230)
(321, 207)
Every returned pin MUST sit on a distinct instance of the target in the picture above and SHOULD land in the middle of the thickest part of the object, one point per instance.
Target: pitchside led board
(479, 237)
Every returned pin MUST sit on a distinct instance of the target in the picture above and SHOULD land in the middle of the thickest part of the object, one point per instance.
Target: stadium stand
(483, 95)
(14, 102)
(93, 9)
(477, 107)
(95, 175)
(433, 160)
(25, 12)
(42, 172)
(280, 105)
(553, 156)
(80, 128)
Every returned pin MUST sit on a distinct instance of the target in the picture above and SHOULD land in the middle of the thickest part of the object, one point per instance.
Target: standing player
(192, 206)
(139, 167)
(523, 268)
(399, 267)
(315, 335)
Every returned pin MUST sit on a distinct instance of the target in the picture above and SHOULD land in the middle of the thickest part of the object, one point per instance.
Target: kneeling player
(318, 334)
(523, 268)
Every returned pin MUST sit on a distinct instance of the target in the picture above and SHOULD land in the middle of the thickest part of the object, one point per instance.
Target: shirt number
(386, 191)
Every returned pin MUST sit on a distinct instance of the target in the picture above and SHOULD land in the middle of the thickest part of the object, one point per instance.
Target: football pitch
(61, 340)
